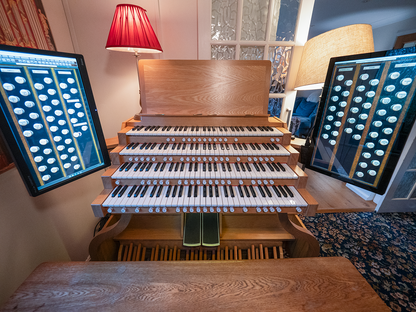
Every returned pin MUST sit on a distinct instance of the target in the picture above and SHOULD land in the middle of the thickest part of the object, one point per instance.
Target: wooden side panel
(277, 122)
(302, 177)
(208, 87)
(106, 177)
(287, 136)
(312, 203)
(294, 155)
(96, 204)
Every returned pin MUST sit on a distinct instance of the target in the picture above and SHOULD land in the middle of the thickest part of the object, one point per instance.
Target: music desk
(308, 284)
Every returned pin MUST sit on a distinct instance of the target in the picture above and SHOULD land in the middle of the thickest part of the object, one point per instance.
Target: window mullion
(238, 28)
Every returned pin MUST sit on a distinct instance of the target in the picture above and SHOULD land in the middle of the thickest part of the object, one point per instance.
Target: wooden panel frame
(208, 87)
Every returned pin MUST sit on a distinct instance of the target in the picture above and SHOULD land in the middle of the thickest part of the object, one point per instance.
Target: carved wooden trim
(107, 234)
(305, 244)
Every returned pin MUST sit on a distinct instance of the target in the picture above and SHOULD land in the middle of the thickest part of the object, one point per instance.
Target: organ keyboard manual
(203, 172)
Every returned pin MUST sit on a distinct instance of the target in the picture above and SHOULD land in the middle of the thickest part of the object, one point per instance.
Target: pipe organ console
(203, 171)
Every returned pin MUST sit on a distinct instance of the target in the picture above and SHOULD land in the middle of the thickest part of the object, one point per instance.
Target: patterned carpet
(381, 246)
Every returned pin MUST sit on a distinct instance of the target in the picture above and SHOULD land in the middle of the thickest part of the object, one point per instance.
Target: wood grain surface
(311, 284)
(204, 87)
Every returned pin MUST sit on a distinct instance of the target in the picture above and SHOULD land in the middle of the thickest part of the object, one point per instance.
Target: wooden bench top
(308, 284)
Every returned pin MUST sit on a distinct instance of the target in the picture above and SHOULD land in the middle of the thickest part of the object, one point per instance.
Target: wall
(385, 37)
(58, 225)
(113, 75)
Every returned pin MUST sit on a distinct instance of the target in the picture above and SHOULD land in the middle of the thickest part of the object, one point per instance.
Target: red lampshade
(131, 31)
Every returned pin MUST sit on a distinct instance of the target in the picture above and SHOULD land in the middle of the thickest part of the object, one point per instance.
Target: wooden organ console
(203, 173)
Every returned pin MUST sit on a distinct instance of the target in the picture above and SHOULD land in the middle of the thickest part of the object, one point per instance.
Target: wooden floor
(333, 195)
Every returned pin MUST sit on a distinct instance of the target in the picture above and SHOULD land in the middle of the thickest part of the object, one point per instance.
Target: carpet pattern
(381, 246)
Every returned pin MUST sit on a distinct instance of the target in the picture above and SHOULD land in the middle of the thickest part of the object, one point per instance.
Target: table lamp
(347, 40)
(131, 31)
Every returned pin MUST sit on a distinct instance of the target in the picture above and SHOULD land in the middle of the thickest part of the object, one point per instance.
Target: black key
(234, 146)
(129, 146)
(153, 146)
(174, 146)
(245, 146)
(143, 166)
(128, 167)
(204, 191)
(215, 166)
(253, 192)
(210, 190)
(246, 190)
(138, 191)
(163, 167)
(256, 167)
(157, 166)
(190, 191)
(260, 188)
(229, 167)
(137, 166)
(144, 191)
(168, 190)
(149, 166)
(191, 147)
(196, 146)
(209, 146)
(243, 168)
(182, 167)
(270, 167)
(123, 166)
(223, 167)
(115, 192)
(227, 147)
(135, 145)
(172, 165)
(270, 146)
(276, 191)
(204, 146)
(248, 167)
(225, 190)
(275, 146)
(257, 146)
(214, 146)
(288, 190)
(281, 167)
(231, 190)
(262, 167)
(161, 145)
(176, 167)
(282, 191)
(190, 167)
(266, 188)
(204, 167)
(240, 190)
(237, 167)
(196, 191)
(180, 191)
(222, 146)
(175, 189)
(217, 191)
(152, 193)
(209, 167)
(252, 147)
(159, 191)
(276, 167)
(183, 146)
(196, 167)
(265, 146)
(166, 146)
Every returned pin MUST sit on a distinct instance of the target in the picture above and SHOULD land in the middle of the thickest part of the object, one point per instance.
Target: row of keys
(204, 131)
(200, 210)
(205, 149)
(204, 170)
(204, 196)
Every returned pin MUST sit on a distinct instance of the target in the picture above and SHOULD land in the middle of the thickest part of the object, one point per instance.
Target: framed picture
(26, 26)
(405, 41)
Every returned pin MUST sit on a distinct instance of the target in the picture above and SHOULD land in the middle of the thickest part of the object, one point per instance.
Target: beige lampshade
(347, 40)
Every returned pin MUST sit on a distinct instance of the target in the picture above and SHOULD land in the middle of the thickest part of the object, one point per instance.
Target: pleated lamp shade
(347, 40)
(131, 31)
